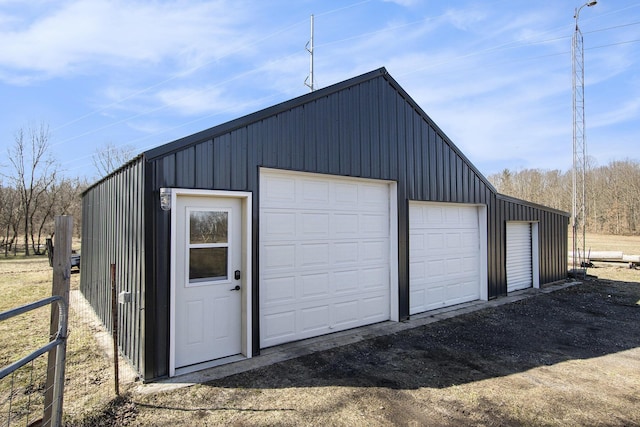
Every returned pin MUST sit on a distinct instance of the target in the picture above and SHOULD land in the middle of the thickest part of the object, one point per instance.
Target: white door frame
(246, 277)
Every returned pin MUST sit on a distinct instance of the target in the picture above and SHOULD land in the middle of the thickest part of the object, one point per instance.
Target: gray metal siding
(113, 232)
(366, 127)
(553, 231)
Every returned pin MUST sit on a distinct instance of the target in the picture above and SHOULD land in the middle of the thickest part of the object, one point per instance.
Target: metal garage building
(341, 208)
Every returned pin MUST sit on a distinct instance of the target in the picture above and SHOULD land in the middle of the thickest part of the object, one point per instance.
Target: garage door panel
(444, 247)
(435, 241)
(314, 191)
(375, 308)
(374, 225)
(327, 257)
(345, 252)
(519, 256)
(417, 242)
(311, 319)
(417, 271)
(375, 251)
(417, 297)
(470, 264)
(314, 318)
(279, 325)
(345, 224)
(345, 313)
(453, 240)
(276, 190)
(315, 286)
(373, 278)
(346, 194)
(279, 225)
(278, 257)
(279, 290)
(314, 255)
(435, 269)
(470, 240)
(346, 282)
(315, 224)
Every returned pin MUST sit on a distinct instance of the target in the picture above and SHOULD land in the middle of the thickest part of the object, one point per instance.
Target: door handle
(236, 288)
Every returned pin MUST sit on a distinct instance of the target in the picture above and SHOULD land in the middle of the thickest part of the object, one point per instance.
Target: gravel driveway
(569, 357)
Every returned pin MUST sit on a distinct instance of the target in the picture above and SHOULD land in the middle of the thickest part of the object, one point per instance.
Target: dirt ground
(569, 358)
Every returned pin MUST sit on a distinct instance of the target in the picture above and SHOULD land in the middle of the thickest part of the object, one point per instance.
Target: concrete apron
(283, 352)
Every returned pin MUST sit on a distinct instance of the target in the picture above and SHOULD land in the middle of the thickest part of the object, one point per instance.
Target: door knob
(236, 288)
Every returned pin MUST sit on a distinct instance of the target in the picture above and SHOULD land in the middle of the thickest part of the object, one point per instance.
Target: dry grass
(629, 245)
(89, 387)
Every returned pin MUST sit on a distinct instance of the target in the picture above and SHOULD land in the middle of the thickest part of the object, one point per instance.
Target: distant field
(629, 245)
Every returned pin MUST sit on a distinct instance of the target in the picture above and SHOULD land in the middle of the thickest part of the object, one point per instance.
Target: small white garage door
(444, 255)
(324, 254)
(519, 259)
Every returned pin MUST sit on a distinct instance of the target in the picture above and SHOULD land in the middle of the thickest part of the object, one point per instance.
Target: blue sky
(495, 75)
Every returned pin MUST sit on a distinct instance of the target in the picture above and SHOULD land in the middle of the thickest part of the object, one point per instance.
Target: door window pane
(208, 227)
(208, 246)
(207, 264)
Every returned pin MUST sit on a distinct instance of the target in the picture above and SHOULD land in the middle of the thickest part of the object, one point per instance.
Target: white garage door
(324, 254)
(519, 262)
(444, 255)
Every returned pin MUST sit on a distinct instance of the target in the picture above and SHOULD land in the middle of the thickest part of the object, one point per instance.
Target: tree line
(612, 193)
(33, 190)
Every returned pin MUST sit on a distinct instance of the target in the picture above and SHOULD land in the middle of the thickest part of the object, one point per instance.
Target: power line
(510, 45)
(613, 44)
(192, 69)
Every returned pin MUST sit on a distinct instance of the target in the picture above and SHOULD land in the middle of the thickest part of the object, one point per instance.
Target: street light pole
(579, 150)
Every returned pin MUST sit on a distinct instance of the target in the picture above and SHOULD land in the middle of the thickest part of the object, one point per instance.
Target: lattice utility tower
(579, 150)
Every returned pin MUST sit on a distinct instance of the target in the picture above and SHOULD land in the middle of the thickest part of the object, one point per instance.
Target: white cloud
(122, 34)
(627, 112)
(195, 100)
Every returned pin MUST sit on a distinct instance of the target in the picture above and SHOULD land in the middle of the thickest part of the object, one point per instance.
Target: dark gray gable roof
(230, 126)
(227, 127)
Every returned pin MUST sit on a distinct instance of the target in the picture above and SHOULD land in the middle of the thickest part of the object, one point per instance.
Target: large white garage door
(324, 254)
(444, 255)
(519, 259)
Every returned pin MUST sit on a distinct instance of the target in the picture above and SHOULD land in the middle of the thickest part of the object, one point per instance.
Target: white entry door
(207, 287)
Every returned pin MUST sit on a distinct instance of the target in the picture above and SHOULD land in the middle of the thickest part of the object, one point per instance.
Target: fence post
(61, 275)
(114, 324)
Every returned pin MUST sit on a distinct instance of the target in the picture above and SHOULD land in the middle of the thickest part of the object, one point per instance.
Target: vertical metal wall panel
(204, 155)
(553, 232)
(113, 232)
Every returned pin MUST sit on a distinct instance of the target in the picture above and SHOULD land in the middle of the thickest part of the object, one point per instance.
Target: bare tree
(34, 171)
(60, 199)
(109, 157)
(613, 193)
(10, 218)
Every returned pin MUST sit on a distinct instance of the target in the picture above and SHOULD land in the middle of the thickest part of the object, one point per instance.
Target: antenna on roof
(309, 47)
